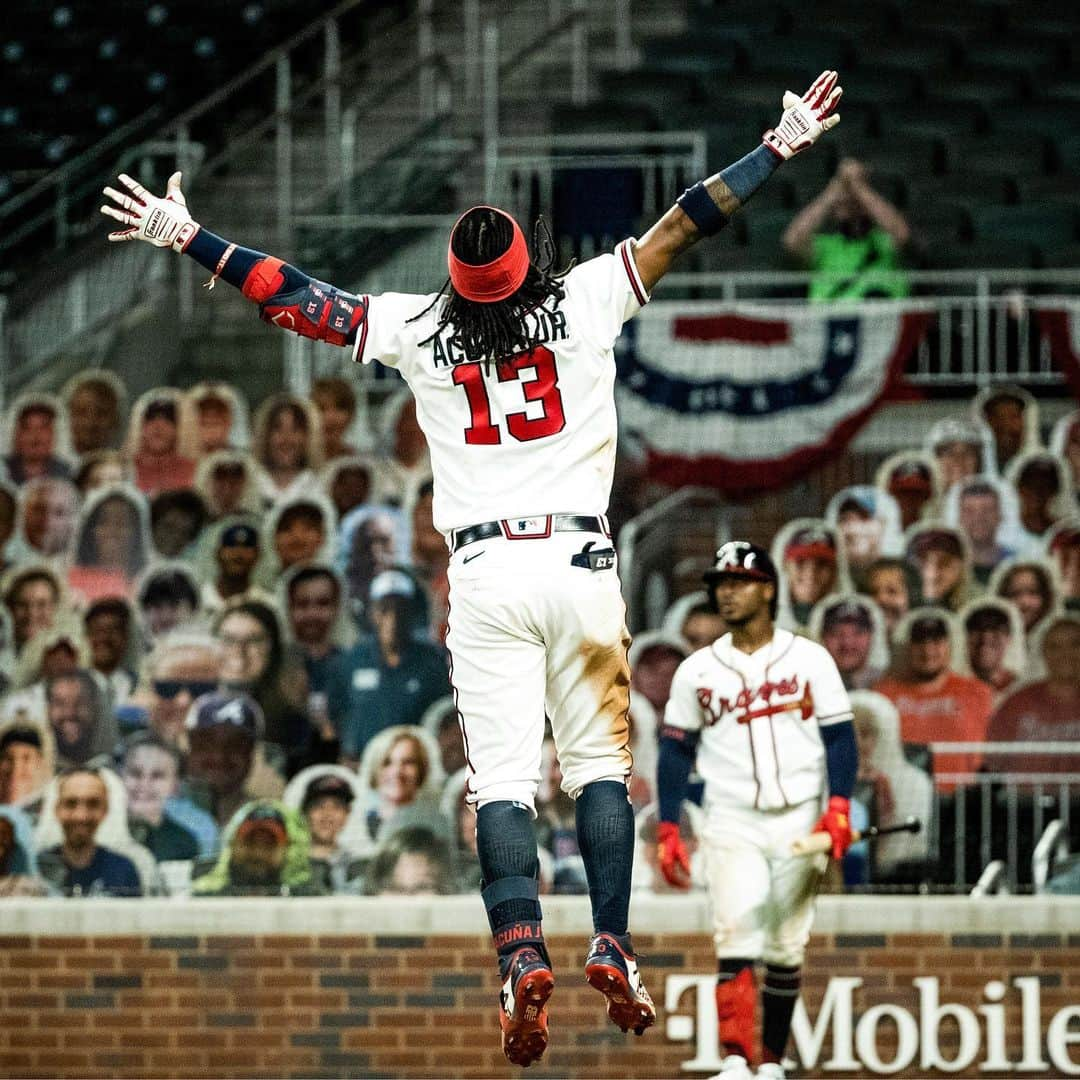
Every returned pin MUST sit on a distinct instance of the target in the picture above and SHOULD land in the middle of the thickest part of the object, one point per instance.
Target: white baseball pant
(529, 633)
(762, 896)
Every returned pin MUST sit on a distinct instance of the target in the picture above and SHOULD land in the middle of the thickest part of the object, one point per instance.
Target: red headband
(497, 279)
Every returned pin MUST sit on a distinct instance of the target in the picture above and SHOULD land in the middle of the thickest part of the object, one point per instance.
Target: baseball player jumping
(767, 717)
(512, 368)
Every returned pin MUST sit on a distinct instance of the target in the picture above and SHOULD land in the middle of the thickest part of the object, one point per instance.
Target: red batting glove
(674, 859)
(836, 821)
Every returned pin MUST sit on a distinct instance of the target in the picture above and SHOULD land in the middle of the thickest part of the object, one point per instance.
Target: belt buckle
(526, 528)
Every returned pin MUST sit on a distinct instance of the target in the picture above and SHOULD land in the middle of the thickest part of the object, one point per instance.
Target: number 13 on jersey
(542, 386)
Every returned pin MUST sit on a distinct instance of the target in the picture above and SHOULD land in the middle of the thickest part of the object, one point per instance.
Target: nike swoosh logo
(469, 558)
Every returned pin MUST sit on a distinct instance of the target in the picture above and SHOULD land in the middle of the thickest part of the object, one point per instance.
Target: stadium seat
(1048, 189)
(1066, 153)
(1017, 51)
(980, 88)
(764, 227)
(961, 21)
(1020, 154)
(882, 85)
(860, 21)
(691, 56)
(602, 118)
(1043, 225)
(654, 89)
(939, 219)
(799, 53)
(764, 17)
(911, 51)
(761, 89)
(1062, 257)
(969, 187)
(934, 120)
(903, 154)
(1063, 89)
(981, 253)
(1049, 118)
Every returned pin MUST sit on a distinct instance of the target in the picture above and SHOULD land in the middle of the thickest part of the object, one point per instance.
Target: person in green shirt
(851, 239)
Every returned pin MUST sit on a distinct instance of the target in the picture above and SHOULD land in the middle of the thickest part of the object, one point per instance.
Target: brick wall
(319, 1004)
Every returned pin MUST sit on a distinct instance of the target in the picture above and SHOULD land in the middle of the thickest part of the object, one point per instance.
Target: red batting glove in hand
(674, 860)
(836, 821)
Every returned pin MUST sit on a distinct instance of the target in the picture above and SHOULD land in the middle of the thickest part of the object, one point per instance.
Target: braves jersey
(531, 436)
(759, 716)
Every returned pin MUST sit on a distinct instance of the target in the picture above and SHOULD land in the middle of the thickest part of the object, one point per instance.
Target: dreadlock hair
(497, 330)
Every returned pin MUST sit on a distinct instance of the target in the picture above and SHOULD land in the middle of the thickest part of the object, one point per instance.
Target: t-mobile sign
(976, 1036)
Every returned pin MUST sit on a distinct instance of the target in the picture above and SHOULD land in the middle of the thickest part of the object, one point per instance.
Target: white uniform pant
(762, 896)
(529, 633)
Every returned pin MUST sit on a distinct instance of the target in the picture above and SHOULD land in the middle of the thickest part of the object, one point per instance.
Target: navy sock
(605, 831)
(506, 846)
(778, 998)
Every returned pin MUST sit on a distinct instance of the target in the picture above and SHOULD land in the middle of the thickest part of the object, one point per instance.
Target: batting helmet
(740, 558)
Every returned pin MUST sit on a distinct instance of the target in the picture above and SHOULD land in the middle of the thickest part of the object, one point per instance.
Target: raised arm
(707, 207)
(875, 205)
(287, 297)
(799, 235)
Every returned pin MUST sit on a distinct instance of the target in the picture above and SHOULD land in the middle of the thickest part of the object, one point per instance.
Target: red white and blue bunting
(748, 398)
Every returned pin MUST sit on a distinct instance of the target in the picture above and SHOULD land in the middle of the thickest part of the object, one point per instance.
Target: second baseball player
(766, 717)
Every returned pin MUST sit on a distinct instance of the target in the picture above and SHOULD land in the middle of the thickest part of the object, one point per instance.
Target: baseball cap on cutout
(847, 611)
(225, 709)
(954, 430)
(263, 818)
(810, 543)
(928, 628)
(937, 540)
(987, 618)
(391, 583)
(328, 786)
(239, 536)
(911, 476)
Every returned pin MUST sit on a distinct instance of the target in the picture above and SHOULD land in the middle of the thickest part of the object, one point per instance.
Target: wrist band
(220, 266)
(747, 174)
(697, 204)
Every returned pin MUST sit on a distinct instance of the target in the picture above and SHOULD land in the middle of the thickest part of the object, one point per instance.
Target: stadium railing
(993, 814)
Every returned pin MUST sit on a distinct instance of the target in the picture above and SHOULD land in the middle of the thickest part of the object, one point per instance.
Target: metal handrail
(1052, 747)
(268, 61)
(977, 279)
(992, 880)
(1053, 846)
(567, 22)
(59, 178)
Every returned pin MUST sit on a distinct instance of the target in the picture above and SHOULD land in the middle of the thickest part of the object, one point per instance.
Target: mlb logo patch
(531, 528)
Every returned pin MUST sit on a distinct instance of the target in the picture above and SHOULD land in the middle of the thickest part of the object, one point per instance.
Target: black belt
(506, 528)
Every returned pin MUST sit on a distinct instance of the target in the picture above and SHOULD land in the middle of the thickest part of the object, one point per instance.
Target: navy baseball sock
(605, 831)
(778, 997)
(506, 845)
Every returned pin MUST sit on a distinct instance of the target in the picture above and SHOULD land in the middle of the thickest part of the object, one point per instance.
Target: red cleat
(523, 1007)
(613, 971)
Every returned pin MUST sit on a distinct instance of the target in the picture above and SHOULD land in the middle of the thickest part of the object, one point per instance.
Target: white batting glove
(805, 118)
(162, 222)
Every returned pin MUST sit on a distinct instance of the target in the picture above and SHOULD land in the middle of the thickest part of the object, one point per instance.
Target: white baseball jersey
(760, 717)
(531, 437)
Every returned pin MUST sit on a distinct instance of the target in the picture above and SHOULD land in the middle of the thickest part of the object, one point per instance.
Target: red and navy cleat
(523, 1001)
(612, 969)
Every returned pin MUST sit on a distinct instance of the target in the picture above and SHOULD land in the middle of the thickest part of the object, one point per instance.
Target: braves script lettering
(715, 705)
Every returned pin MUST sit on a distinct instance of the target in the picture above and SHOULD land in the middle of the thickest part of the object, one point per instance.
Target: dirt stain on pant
(606, 668)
